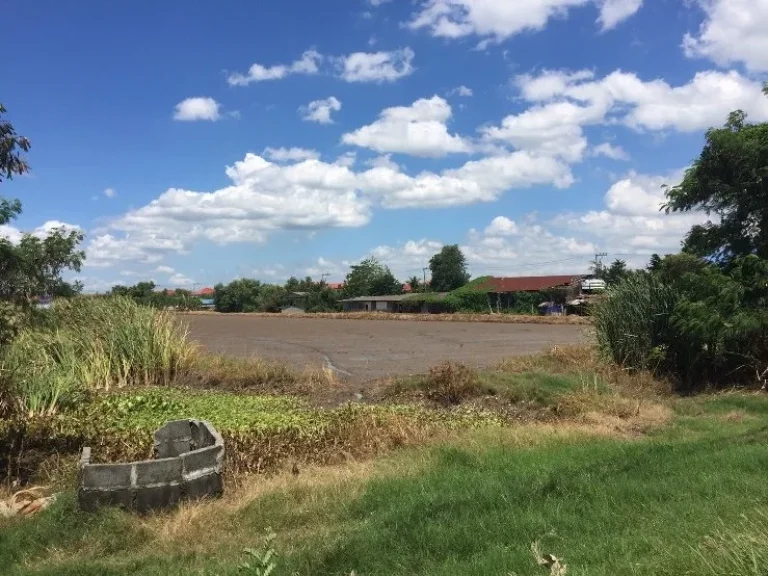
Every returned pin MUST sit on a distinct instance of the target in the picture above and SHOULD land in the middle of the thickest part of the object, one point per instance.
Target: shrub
(450, 383)
(693, 321)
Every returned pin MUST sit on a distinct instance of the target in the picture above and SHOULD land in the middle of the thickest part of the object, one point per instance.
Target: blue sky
(264, 139)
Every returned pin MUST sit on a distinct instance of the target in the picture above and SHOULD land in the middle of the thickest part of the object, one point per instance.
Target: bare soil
(364, 350)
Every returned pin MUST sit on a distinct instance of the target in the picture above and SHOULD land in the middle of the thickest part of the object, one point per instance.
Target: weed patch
(261, 433)
(208, 371)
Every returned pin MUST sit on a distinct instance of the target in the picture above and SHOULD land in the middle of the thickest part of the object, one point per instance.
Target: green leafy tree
(729, 181)
(385, 283)
(242, 295)
(415, 283)
(271, 298)
(34, 266)
(449, 269)
(654, 263)
(323, 300)
(12, 162)
(370, 278)
(616, 272)
(292, 284)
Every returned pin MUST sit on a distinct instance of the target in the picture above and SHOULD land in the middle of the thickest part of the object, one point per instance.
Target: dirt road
(367, 349)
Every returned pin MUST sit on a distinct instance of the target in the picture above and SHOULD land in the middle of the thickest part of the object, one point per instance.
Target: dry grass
(457, 317)
(313, 490)
(211, 372)
(586, 361)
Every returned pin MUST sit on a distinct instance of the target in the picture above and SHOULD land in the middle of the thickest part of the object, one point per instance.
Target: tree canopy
(449, 269)
(729, 181)
(615, 273)
(33, 266)
(370, 278)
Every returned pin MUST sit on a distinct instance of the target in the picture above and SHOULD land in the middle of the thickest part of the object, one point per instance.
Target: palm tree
(415, 283)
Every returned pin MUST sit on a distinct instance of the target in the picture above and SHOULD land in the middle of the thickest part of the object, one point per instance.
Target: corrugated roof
(527, 283)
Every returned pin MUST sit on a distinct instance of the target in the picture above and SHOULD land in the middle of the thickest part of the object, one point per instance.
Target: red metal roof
(336, 285)
(204, 292)
(527, 283)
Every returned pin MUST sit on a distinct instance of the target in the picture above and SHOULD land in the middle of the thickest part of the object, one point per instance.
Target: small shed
(374, 303)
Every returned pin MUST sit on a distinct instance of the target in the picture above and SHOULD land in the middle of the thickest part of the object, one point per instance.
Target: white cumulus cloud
(623, 97)
(497, 20)
(14, 235)
(462, 91)
(290, 154)
(320, 110)
(733, 31)
(552, 129)
(610, 151)
(377, 66)
(181, 280)
(419, 129)
(198, 108)
(613, 12)
(110, 192)
(307, 64)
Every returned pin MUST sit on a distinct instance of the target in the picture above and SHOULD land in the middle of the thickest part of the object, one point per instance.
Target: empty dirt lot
(368, 349)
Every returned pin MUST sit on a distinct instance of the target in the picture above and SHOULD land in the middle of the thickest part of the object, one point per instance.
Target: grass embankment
(688, 498)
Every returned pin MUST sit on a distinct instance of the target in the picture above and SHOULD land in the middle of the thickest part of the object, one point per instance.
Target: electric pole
(424, 283)
(598, 263)
(323, 276)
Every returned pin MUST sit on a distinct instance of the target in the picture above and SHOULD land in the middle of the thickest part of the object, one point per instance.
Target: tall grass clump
(88, 344)
(632, 323)
(699, 323)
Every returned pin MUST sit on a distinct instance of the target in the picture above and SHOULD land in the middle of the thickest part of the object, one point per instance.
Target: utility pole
(598, 262)
(424, 283)
(323, 276)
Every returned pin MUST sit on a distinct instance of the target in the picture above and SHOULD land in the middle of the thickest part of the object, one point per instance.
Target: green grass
(533, 388)
(538, 388)
(689, 499)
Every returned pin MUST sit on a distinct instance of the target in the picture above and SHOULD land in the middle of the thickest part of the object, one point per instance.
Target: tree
(449, 269)
(729, 180)
(385, 283)
(34, 266)
(415, 283)
(292, 284)
(242, 295)
(272, 298)
(616, 272)
(654, 263)
(370, 278)
(11, 163)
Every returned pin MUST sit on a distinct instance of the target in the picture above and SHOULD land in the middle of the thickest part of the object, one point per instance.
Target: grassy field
(610, 482)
